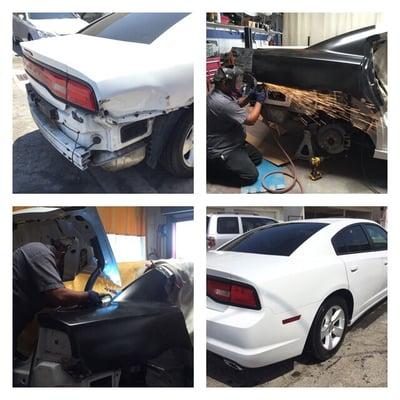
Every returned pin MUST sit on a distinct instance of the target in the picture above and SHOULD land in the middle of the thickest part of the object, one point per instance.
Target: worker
(230, 159)
(37, 283)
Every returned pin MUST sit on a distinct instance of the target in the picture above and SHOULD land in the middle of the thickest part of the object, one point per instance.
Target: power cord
(292, 173)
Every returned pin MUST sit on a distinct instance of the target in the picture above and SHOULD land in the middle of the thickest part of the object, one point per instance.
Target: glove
(252, 95)
(93, 300)
(261, 95)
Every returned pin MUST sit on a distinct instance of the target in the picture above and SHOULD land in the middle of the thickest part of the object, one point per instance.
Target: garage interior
(138, 237)
(361, 362)
(341, 166)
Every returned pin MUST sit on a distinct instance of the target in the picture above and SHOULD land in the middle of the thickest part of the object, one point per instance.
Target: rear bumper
(72, 151)
(254, 339)
(46, 117)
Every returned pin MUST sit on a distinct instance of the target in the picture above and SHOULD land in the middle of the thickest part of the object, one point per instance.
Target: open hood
(353, 63)
(79, 227)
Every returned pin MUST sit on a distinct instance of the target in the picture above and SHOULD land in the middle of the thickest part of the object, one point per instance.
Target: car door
(227, 229)
(378, 239)
(363, 267)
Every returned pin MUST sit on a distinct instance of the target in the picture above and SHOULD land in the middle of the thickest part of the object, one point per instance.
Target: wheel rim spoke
(332, 327)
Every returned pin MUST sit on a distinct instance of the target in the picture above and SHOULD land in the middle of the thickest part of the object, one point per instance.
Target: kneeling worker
(230, 159)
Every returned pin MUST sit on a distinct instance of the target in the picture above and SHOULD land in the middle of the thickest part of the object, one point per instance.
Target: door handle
(385, 263)
(353, 269)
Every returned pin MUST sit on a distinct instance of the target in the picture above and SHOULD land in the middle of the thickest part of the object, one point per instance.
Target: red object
(62, 86)
(210, 242)
(291, 319)
(213, 63)
(225, 20)
(232, 293)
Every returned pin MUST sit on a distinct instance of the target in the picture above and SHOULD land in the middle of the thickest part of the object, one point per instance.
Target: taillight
(210, 242)
(234, 293)
(61, 86)
(80, 95)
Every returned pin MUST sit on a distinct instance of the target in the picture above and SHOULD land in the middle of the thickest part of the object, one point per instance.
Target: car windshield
(51, 15)
(277, 240)
(137, 27)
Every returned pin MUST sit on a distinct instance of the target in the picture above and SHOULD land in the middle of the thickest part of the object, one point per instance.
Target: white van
(223, 227)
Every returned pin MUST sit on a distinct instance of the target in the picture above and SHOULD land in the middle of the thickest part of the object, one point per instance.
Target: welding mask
(232, 77)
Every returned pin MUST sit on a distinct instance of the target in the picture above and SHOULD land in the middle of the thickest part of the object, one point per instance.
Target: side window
(250, 223)
(351, 240)
(378, 237)
(228, 225)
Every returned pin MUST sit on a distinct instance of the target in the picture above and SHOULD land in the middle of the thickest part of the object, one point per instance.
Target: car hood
(345, 63)
(80, 228)
(126, 77)
(62, 26)
(246, 267)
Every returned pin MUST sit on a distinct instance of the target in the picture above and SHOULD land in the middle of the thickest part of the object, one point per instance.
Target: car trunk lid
(80, 228)
(126, 77)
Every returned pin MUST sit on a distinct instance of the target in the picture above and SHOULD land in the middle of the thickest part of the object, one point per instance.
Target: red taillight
(210, 242)
(233, 293)
(81, 95)
(63, 87)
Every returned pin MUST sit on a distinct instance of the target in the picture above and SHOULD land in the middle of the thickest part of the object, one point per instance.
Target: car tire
(322, 347)
(175, 158)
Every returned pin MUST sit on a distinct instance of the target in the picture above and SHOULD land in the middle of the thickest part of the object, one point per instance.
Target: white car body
(27, 27)
(131, 82)
(289, 287)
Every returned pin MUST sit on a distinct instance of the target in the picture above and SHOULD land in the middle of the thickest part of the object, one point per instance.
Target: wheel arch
(347, 296)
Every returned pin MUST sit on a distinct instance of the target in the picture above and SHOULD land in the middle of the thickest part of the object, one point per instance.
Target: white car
(32, 26)
(281, 289)
(119, 91)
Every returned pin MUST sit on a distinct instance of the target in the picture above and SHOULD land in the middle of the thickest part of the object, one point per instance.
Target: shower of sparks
(310, 102)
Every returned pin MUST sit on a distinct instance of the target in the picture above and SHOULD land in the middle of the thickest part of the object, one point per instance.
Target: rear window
(276, 240)
(226, 225)
(252, 223)
(137, 27)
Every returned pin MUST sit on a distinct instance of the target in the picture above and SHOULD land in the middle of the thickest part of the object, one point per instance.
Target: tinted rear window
(137, 27)
(252, 223)
(227, 225)
(277, 240)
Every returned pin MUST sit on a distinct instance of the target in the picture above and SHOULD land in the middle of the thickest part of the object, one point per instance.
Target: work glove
(260, 95)
(94, 299)
(252, 95)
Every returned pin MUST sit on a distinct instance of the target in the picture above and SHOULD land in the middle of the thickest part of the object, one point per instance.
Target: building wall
(279, 213)
(297, 27)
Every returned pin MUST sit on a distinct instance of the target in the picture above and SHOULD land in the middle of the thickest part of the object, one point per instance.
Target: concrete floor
(360, 362)
(38, 168)
(340, 175)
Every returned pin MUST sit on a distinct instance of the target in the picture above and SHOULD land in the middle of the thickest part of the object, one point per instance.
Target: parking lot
(360, 362)
(38, 168)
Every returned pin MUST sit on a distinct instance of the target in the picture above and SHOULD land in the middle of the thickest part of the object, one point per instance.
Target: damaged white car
(117, 92)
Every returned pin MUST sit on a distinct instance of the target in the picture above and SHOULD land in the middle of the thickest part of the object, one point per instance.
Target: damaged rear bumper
(41, 114)
(46, 117)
